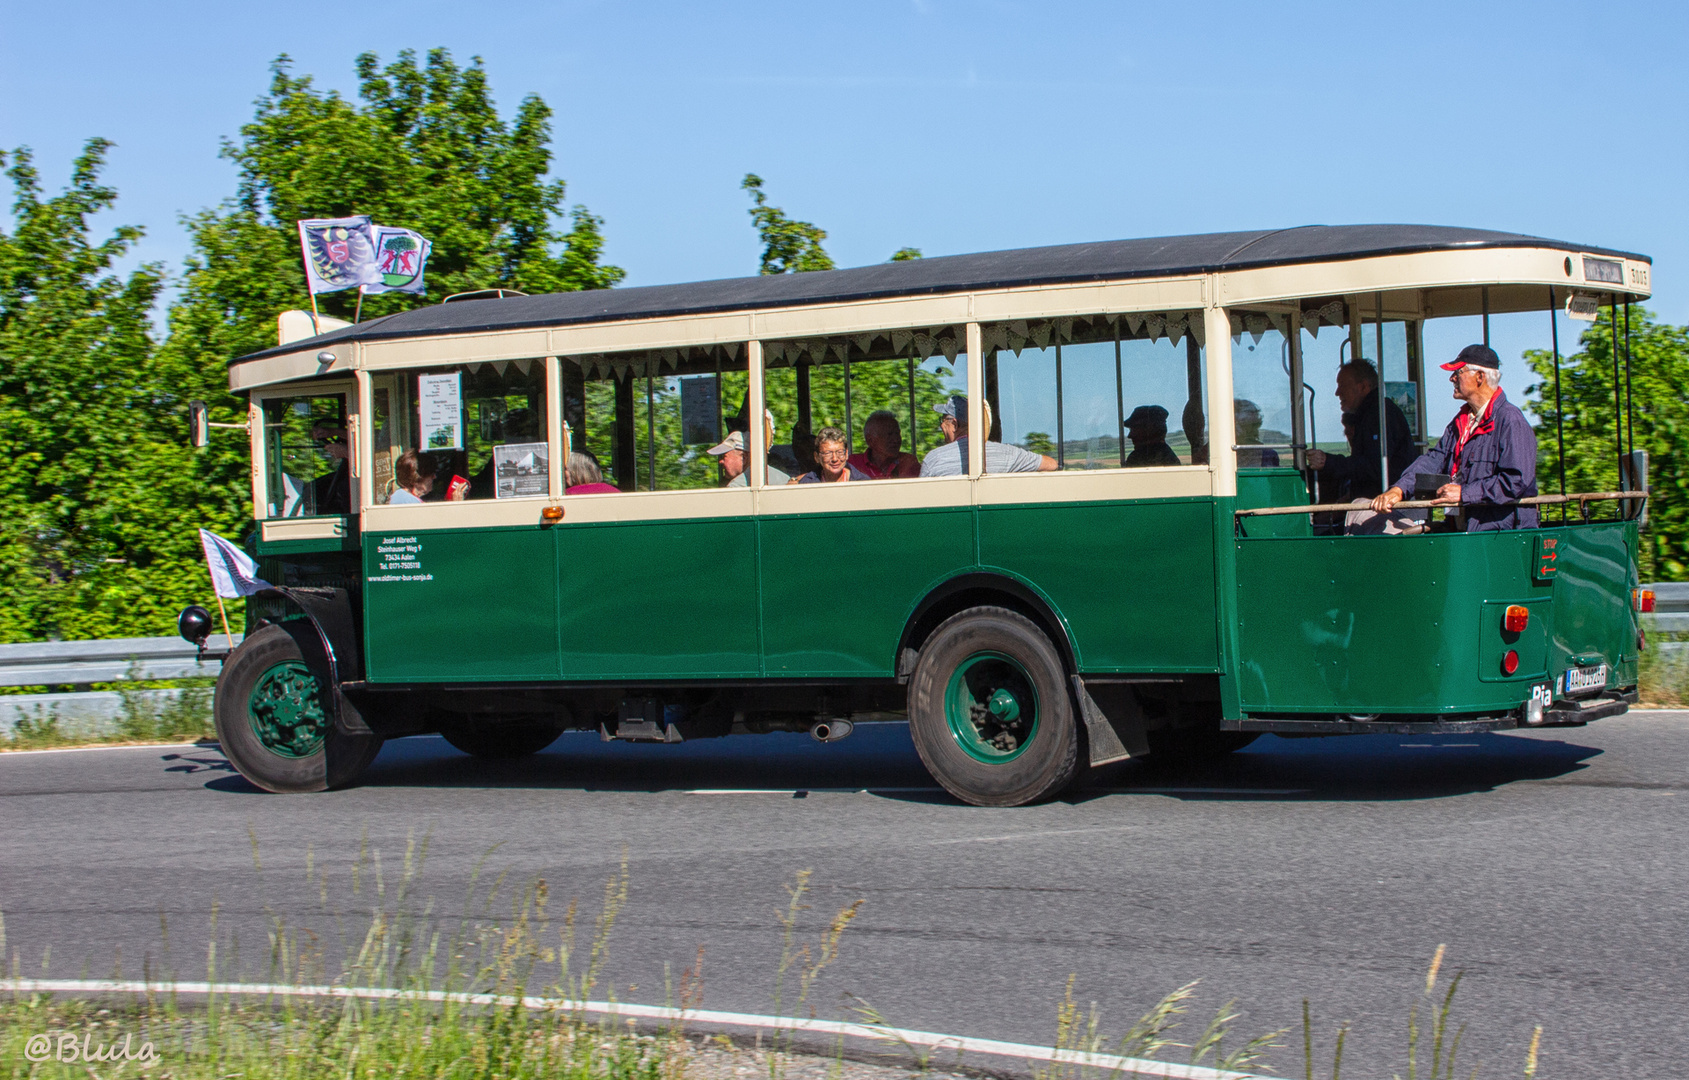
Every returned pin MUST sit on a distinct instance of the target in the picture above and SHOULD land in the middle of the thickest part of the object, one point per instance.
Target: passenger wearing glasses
(832, 460)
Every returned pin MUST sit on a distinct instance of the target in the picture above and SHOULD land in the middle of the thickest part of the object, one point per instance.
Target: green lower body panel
(658, 600)
(837, 589)
(1134, 581)
(1416, 624)
(464, 605)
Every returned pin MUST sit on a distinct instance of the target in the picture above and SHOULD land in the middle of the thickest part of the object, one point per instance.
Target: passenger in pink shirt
(884, 459)
(584, 477)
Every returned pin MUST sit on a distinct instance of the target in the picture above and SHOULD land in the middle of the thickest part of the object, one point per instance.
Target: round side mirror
(194, 624)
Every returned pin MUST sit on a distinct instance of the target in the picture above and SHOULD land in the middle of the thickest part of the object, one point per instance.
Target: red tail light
(1646, 601)
(1510, 662)
(1518, 617)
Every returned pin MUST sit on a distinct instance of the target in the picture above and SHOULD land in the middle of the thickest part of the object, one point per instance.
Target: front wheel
(275, 720)
(990, 711)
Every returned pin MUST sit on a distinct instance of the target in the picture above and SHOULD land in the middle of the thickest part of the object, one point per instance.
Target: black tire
(977, 755)
(1188, 746)
(500, 737)
(308, 756)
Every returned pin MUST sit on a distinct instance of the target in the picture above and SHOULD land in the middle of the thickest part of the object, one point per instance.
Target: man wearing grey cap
(734, 452)
(951, 459)
(1488, 452)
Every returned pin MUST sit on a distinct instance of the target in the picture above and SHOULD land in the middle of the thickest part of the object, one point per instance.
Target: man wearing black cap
(1147, 428)
(1488, 451)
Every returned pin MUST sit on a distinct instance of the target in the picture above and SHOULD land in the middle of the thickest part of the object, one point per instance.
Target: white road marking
(118, 746)
(877, 1032)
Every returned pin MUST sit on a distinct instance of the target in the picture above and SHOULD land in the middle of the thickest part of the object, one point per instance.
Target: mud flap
(1111, 738)
(330, 614)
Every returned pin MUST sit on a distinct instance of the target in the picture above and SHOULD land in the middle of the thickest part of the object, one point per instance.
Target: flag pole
(359, 313)
(227, 633)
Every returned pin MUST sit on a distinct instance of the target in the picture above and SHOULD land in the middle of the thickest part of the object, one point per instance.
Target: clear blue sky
(947, 125)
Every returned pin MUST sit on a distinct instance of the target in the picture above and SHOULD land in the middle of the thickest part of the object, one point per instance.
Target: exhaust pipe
(831, 730)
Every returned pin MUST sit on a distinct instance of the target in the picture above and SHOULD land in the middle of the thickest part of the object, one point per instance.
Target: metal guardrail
(78, 663)
(1671, 608)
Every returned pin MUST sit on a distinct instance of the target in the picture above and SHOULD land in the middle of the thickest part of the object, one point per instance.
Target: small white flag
(401, 255)
(339, 253)
(233, 573)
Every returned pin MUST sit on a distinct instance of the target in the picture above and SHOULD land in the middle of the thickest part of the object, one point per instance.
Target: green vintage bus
(1159, 586)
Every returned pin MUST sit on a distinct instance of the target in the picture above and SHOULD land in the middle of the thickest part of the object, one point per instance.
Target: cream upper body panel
(1516, 275)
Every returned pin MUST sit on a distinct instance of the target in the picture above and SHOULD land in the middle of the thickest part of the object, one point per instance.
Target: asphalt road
(1551, 863)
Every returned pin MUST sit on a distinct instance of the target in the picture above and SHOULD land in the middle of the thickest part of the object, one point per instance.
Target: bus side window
(1103, 391)
(656, 419)
(475, 431)
(881, 388)
(307, 471)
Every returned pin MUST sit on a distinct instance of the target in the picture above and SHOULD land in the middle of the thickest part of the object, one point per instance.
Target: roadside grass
(143, 717)
(523, 953)
(1663, 676)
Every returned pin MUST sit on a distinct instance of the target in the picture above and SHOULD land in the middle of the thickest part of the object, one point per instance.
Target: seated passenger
(583, 476)
(796, 457)
(1147, 428)
(884, 459)
(413, 478)
(951, 459)
(832, 460)
(332, 492)
(735, 454)
(1488, 451)
(1356, 475)
(1248, 419)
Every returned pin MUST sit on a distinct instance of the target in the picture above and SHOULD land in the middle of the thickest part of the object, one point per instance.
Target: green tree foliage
(1659, 371)
(100, 508)
(788, 246)
(77, 415)
(905, 254)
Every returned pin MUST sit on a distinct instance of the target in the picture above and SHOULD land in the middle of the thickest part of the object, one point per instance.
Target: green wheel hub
(991, 707)
(286, 709)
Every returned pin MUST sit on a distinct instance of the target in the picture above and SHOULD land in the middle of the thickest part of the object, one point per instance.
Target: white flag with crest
(233, 573)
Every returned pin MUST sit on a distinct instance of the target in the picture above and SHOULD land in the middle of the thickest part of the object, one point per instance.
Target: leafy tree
(788, 246)
(905, 254)
(76, 412)
(423, 148)
(1659, 370)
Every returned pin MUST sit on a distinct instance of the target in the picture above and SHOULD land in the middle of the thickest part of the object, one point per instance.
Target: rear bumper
(1564, 713)
(1573, 713)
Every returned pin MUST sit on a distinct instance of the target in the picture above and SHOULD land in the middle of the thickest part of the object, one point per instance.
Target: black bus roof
(1107, 260)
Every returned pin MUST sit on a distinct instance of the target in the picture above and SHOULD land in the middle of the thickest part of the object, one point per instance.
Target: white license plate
(1586, 678)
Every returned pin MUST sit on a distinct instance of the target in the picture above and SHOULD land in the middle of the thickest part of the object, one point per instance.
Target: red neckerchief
(1467, 425)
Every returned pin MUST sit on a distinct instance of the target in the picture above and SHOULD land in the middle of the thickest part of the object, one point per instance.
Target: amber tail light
(1517, 618)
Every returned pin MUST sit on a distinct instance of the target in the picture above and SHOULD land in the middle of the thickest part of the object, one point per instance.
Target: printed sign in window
(521, 469)
(440, 399)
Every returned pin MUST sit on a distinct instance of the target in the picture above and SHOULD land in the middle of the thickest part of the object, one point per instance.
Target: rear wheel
(501, 737)
(275, 719)
(990, 711)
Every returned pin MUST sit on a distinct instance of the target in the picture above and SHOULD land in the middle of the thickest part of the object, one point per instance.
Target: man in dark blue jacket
(1489, 451)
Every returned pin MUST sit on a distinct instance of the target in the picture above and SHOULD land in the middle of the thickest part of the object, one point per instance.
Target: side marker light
(1510, 662)
(551, 513)
(1518, 617)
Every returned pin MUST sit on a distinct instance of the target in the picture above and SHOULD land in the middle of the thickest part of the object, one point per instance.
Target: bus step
(1337, 726)
(643, 720)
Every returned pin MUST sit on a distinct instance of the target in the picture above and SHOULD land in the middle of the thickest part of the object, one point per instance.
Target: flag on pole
(339, 253)
(400, 257)
(233, 573)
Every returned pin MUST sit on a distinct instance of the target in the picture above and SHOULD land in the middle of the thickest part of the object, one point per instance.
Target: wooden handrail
(1423, 504)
